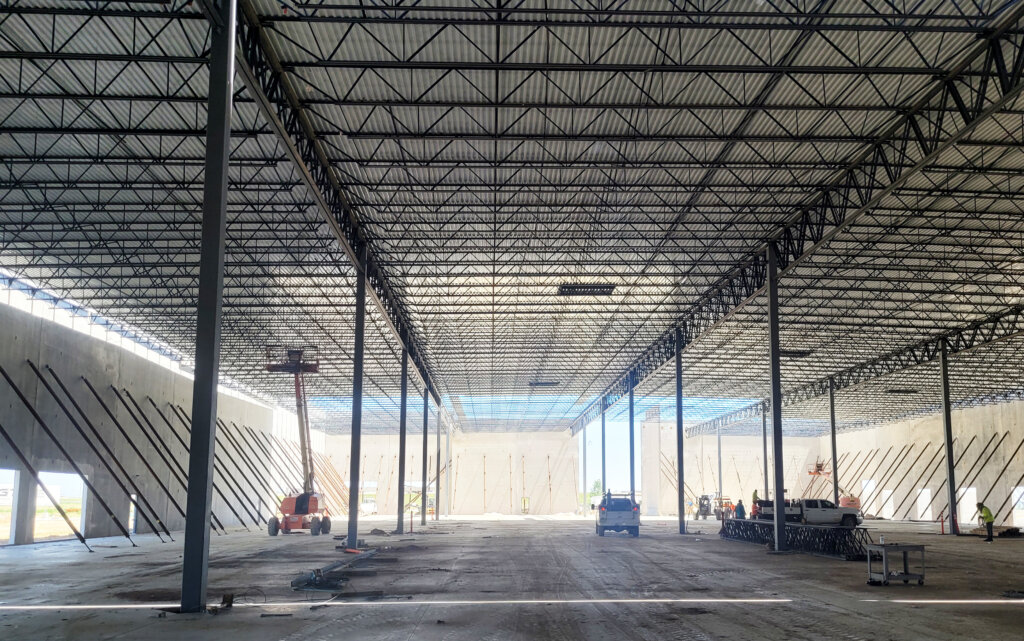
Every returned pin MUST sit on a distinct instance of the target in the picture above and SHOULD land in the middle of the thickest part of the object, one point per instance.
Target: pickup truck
(619, 513)
(812, 512)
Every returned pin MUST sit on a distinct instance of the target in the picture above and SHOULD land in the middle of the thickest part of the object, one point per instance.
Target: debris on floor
(336, 576)
(325, 579)
(379, 532)
(360, 543)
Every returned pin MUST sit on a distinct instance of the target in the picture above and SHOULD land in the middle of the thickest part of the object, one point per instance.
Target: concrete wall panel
(73, 355)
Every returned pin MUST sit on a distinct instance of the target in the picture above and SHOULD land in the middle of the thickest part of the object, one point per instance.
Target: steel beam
(996, 328)
(947, 436)
(280, 105)
(357, 410)
(627, 18)
(904, 149)
(196, 554)
(775, 375)
(402, 415)
(613, 67)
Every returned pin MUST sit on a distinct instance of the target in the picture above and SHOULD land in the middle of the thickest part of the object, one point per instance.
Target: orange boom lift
(304, 510)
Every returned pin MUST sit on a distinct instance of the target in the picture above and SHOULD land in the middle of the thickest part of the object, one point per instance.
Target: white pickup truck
(619, 513)
(813, 512)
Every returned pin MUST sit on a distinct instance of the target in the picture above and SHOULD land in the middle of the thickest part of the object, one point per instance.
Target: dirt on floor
(531, 578)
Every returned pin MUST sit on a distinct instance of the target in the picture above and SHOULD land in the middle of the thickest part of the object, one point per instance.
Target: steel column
(402, 413)
(586, 492)
(775, 373)
(721, 482)
(947, 434)
(437, 476)
(449, 475)
(681, 481)
(632, 444)
(832, 424)
(208, 314)
(604, 460)
(357, 406)
(764, 446)
(426, 427)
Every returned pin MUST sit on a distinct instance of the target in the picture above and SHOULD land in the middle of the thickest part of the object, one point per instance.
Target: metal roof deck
(494, 153)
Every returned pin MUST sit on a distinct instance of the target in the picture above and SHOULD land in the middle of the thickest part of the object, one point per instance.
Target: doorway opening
(70, 493)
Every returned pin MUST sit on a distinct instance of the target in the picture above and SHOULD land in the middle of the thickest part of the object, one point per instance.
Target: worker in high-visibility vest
(986, 516)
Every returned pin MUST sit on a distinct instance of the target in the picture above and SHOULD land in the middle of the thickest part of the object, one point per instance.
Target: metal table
(885, 575)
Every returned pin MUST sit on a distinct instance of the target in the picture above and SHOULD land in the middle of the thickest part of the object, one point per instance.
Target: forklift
(303, 510)
(703, 507)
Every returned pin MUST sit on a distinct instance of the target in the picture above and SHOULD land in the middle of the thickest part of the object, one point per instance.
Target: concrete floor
(516, 579)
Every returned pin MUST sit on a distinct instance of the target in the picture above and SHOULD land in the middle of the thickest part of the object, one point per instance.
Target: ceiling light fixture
(901, 390)
(585, 289)
(544, 383)
(794, 353)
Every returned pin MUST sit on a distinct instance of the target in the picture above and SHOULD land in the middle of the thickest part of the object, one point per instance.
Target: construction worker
(986, 516)
(753, 500)
(741, 512)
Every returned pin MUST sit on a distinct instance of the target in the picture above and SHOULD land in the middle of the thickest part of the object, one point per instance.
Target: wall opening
(1017, 515)
(967, 500)
(888, 508)
(8, 483)
(70, 493)
(133, 515)
(924, 504)
(867, 489)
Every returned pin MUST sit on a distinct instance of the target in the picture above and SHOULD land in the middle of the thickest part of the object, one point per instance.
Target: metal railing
(825, 540)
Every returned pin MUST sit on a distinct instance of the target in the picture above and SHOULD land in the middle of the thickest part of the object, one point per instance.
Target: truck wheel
(849, 520)
(273, 526)
(600, 531)
(314, 526)
(325, 525)
(635, 531)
